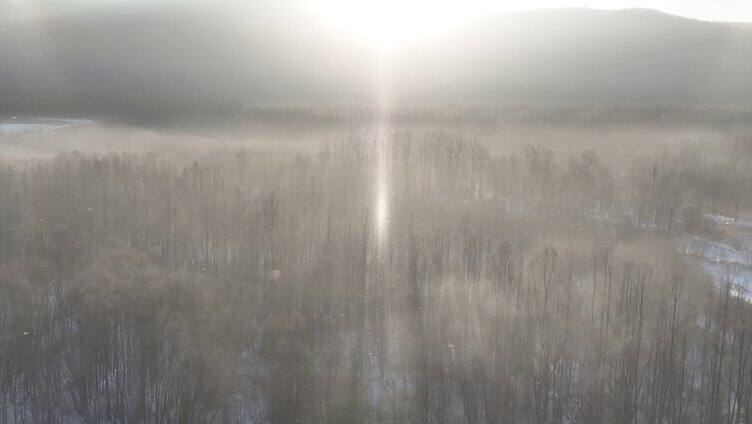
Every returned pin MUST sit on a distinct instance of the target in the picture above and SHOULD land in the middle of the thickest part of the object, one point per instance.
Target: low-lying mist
(546, 266)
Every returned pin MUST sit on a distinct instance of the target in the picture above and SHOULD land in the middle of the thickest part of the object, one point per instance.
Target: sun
(388, 23)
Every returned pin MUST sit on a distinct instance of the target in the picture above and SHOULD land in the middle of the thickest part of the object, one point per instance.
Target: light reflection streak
(381, 191)
(382, 184)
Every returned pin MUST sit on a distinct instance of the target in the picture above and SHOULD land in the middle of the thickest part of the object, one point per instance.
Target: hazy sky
(724, 10)
(713, 10)
(389, 22)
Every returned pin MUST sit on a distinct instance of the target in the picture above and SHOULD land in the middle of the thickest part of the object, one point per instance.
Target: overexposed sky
(712, 10)
(389, 22)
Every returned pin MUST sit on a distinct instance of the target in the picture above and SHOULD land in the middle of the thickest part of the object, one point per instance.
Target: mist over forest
(234, 212)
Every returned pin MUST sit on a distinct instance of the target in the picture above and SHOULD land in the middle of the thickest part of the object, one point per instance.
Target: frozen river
(728, 256)
(14, 125)
(23, 138)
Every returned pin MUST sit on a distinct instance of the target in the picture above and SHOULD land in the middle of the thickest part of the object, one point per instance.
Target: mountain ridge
(159, 60)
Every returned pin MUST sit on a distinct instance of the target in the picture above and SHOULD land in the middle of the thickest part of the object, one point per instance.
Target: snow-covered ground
(16, 125)
(728, 256)
(19, 142)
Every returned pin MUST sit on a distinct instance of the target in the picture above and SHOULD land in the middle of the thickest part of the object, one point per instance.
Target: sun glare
(387, 23)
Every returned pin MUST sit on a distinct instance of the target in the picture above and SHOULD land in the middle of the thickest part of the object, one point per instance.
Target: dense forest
(382, 276)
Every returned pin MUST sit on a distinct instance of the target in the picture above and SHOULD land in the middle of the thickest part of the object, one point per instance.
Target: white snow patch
(728, 258)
